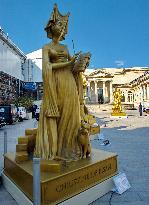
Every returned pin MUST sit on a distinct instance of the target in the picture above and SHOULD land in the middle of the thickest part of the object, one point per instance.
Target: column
(144, 97)
(111, 92)
(126, 96)
(143, 92)
(89, 90)
(147, 91)
(103, 87)
(96, 92)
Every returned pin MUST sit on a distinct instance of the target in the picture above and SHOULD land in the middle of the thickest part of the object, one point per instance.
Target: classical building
(140, 88)
(99, 86)
(102, 82)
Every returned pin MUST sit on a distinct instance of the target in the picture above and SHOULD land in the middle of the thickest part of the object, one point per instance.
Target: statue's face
(56, 29)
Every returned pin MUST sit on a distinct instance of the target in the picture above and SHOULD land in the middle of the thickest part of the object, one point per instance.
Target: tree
(24, 101)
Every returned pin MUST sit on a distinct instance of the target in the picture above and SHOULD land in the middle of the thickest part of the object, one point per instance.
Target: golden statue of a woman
(60, 118)
(117, 107)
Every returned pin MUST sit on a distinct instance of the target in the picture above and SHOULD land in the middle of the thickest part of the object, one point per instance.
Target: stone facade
(102, 82)
(11, 57)
(140, 88)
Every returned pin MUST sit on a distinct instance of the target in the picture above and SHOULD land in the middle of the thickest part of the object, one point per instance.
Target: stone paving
(129, 138)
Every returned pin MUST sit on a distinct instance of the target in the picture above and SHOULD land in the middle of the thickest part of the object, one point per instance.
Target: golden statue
(117, 107)
(62, 136)
(60, 119)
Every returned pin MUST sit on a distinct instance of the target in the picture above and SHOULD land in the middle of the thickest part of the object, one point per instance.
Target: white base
(118, 117)
(85, 197)
(15, 192)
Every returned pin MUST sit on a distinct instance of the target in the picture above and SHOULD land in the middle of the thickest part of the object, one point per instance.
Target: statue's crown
(58, 19)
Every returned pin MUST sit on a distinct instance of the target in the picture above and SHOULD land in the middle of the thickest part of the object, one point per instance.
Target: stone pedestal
(119, 115)
(84, 198)
(73, 180)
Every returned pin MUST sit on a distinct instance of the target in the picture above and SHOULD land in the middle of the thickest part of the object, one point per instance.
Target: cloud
(119, 63)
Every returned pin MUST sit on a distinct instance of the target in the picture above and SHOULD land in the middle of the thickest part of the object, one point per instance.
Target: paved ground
(129, 138)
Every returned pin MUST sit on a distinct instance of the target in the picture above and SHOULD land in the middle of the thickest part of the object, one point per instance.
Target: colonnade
(142, 92)
(99, 89)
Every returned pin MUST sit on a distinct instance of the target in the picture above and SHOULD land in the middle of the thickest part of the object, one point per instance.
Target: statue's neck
(55, 41)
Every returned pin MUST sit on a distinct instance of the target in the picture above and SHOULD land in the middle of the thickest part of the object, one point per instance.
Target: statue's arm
(61, 65)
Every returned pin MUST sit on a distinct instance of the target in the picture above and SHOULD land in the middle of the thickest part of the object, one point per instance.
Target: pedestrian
(99, 100)
(140, 109)
(34, 107)
(37, 113)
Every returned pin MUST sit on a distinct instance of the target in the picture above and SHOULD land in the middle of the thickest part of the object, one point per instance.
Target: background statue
(60, 119)
(117, 107)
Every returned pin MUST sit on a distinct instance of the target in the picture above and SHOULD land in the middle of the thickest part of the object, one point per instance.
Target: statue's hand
(77, 54)
(73, 59)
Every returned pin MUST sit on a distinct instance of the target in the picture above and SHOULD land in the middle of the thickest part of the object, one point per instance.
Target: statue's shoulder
(46, 46)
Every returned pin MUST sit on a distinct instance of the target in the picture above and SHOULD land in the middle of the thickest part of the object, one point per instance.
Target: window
(130, 96)
(123, 97)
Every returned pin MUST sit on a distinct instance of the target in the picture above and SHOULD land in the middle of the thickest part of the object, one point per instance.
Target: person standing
(37, 113)
(140, 109)
(34, 107)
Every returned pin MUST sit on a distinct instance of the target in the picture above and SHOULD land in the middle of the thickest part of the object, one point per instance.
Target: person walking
(140, 109)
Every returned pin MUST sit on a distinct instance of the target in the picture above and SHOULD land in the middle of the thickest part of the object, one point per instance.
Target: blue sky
(116, 32)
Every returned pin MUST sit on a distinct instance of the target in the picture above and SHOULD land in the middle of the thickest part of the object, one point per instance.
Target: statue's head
(83, 131)
(57, 25)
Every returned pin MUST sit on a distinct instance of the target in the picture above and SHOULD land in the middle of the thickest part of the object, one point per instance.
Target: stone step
(21, 147)
(31, 131)
(21, 156)
(22, 140)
